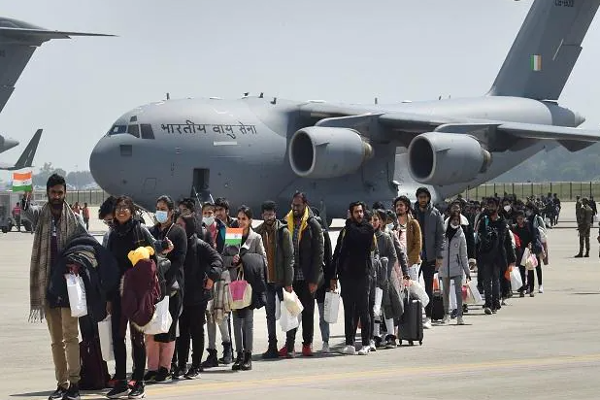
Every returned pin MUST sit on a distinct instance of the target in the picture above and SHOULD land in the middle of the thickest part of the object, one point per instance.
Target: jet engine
(326, 152)
(439, 158)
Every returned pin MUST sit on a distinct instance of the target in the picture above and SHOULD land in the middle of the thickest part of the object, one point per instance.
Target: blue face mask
(161, 216)
(390, 227)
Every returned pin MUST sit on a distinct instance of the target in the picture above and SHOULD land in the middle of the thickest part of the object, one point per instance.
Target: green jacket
(284, 252)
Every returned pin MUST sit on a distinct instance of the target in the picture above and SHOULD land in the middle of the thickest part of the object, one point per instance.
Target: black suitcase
(410, 327)
(437, 306)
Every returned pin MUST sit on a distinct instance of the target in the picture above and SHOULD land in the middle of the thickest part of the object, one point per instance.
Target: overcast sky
(349, 51)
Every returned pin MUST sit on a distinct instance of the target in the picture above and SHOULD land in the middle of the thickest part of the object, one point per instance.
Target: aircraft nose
(101, 160)
(9, 144)
(579, 119)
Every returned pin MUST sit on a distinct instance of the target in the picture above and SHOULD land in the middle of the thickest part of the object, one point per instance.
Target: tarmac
(546, 347)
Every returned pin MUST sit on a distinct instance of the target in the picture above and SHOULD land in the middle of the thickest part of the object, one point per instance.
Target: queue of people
(213, 269)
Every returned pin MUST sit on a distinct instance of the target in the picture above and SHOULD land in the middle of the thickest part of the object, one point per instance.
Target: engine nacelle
(440, 158)
(326, 152)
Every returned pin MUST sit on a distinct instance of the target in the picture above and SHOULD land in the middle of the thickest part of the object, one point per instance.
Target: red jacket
(140, 291)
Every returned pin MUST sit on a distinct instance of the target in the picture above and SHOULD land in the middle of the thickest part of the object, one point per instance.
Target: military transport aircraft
(18, 41)
(258, 148)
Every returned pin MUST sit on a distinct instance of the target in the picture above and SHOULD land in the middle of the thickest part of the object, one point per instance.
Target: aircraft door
(201, 185)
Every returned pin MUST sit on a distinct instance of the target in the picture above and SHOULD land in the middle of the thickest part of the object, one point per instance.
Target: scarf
(39, 269)
(292, 224)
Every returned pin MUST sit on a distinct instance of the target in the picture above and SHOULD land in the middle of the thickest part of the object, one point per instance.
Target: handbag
(331, 307)
(240, 292)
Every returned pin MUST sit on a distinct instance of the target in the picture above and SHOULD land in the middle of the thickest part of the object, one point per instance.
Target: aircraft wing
(18, 41)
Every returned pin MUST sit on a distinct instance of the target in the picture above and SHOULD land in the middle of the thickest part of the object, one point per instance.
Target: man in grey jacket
(432, 233)
(280, 267)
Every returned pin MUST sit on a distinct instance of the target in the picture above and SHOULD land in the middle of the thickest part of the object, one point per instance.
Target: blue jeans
(323, 325)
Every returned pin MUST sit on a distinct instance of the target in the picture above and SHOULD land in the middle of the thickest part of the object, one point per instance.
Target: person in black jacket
(307, 238)
(202, 267)
(495, 253)
(353, 264)
(161, 348)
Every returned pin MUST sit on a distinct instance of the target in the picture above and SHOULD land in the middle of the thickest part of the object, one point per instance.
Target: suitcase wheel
(411, 343)
(420, 343)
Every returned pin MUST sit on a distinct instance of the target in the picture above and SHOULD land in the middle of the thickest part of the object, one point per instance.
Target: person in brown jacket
(408, 231)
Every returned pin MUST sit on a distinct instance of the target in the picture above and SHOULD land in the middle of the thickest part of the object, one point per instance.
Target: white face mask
(507, 208)
(161, 216)
(454, 226)
(208, 220)
(390, 227)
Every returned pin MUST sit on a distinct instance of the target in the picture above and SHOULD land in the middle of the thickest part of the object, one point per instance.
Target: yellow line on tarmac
(291, 380)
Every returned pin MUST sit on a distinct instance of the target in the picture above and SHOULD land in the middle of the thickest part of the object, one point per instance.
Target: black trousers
(119, 327)
(356, 296)
(191, 326)
(308, 314)
(491, 284)
(428, 271)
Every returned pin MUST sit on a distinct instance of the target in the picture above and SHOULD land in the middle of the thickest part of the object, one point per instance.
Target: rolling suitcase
(437, 306)
(410, 327)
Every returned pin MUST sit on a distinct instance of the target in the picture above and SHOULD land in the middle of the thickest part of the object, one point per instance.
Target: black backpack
(163, 264)
(488, 239)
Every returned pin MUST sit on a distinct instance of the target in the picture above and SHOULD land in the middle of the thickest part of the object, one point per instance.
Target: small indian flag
(536, 62)
(22, 181)
(233, 236)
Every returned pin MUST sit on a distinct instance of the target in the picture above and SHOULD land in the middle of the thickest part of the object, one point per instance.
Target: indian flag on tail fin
(536, 62)
(233, 236)
(22, 181)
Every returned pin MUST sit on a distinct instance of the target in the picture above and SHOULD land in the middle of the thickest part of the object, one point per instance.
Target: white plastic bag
(76, 291)
(417, 290)
(161, 319)
(516, 282)
(331, 307)
(106, 341)
(287, 321)
(413, 272)
(378, 300)
(292, 303)
(474, 295)
(277, 308)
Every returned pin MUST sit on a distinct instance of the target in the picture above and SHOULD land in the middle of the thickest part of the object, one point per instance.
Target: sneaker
(503, 303)
(459, 321)
(178, 372)
(521, 294)
(307, 350)
(325, 348)
(494, 310)
(163, 375)
(72, 392)
(445, 319)
(390, 342)
(138, 391)
(284, 352)
(193, 373)
(454, 313)
(349, 350)
(531, 294)
(58, 394)
(427, 323)
(541, 290)
(150, 376)
(120, 390)
(372, 346)
(364, 350)
(487, 310)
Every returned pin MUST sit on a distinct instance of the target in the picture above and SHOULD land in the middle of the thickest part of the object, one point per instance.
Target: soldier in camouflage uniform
(585, 217)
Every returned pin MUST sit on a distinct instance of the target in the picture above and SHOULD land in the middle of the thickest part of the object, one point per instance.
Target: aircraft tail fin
(26, 159)
(545, 50)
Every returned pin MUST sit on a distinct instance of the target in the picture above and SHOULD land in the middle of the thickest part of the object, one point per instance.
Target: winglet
(26, 159)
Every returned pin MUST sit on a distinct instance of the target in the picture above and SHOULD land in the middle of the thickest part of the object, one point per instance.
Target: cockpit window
(134, 130)
(147, 132)
(117, 129)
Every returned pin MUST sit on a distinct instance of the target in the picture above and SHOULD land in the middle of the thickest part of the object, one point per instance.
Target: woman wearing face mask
(454, 265)
(243, 320)
(161, 348)
(125, 235)
(532, 214)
